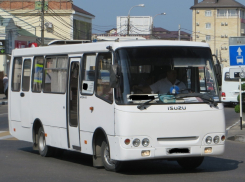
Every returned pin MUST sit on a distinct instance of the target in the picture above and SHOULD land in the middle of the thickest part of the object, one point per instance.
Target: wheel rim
(42, 142)
(107, 156)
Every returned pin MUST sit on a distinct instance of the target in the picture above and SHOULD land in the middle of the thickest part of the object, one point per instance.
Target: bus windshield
(165, 75)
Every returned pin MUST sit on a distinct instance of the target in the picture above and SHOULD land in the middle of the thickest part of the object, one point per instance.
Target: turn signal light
(14, 129)
(223, 138)
(127, 141)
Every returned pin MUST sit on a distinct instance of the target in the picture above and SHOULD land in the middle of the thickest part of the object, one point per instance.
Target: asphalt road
(18, 162)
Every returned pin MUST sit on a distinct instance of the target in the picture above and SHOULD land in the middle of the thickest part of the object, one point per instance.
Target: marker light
(223, 138)
(136, 142)
(145, 142)
(127, 141)
(209, 140)
(216, 139)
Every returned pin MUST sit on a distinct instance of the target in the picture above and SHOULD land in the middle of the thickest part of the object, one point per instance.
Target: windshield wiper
(205, 97)
(146, 103)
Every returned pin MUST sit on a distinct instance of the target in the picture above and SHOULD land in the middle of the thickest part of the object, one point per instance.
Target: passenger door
(72, 103)
(15, 89)
(25, 93)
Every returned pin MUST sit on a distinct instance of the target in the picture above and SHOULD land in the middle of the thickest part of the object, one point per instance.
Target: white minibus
(98, 99)
(230, 87)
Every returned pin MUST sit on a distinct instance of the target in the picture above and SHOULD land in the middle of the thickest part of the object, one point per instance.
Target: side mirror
(218, 70)
(114, 76)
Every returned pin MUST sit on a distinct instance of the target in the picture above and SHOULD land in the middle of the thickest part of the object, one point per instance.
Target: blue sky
(106, 11)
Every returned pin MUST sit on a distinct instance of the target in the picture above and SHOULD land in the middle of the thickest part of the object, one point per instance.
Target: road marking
(5, 135)
(3, 114)
(232, 125)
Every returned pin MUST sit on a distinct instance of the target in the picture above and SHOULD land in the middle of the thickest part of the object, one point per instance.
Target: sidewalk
(3, 101)
(235, 133)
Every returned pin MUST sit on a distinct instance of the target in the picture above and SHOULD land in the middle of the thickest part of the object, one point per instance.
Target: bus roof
(100, 47)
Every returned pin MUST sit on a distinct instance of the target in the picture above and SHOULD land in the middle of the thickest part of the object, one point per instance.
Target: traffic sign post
(237, 58)
(238, 73)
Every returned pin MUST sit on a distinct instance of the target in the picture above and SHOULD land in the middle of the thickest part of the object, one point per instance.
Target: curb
(238, 138)
(4, 103)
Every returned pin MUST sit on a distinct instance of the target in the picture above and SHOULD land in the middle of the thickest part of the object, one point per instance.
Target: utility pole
(179, 32)
(128, 25)
(42, 23)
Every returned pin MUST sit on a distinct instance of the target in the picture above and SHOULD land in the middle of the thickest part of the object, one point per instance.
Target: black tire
(44, 150)
(110, 165)
(190, 162)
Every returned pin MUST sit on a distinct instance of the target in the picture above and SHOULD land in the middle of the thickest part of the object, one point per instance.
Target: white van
(230, 87)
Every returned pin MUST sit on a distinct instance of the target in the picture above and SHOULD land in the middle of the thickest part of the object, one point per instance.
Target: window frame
(209, 37)
(82, 74)
(68, 67)
(208, 13)
(96, 77)
(12, 79)
(206, 25)
(23, 63)
(33, 71)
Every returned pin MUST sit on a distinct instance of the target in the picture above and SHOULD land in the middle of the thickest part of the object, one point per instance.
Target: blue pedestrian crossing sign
(237, 55)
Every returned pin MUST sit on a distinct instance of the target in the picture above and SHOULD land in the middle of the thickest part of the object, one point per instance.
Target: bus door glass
(25, 93)
(15, 89)
(73, 94)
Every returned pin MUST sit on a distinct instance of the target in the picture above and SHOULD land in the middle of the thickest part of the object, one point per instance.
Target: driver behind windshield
(168, 85)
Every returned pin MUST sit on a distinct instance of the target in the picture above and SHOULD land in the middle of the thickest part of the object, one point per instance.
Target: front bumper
(120, 153)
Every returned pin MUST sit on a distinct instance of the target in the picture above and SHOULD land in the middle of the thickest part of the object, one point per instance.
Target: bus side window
(16, 78)
(26, 75)
(55, 74)
(88, 74)
(103, 89)
(37, 76)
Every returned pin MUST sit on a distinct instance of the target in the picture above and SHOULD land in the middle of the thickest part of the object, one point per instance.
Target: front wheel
(44, 150)
(109, 164)
(190, 162)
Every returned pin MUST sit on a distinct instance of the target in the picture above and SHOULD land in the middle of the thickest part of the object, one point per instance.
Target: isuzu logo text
(177, 108)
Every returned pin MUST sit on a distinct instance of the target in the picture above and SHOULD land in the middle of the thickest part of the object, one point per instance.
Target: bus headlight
(136, 142)
(209, 140)
(145, 142)
(216, 139)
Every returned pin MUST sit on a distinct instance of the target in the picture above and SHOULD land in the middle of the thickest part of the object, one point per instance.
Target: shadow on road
(210, 164)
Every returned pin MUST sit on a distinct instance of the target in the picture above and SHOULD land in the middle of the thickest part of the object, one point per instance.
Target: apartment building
(214, 21)
(62, 19)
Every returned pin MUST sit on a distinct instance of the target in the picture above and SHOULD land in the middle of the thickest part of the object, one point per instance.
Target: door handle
(22, 94)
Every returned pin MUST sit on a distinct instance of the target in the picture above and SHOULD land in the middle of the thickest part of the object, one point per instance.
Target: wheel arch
(98, 137)
(36, 125)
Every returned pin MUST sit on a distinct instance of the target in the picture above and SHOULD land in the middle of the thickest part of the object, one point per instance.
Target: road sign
(237, 55)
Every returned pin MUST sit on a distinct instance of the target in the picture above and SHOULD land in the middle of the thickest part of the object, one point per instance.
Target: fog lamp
(145, 142)
(136, 142)
(216, 139)
(209, 140)
(145, 153)
(208, 150)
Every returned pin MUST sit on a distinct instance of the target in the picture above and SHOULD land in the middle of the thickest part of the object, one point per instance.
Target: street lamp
(153, 20)
(139, 5)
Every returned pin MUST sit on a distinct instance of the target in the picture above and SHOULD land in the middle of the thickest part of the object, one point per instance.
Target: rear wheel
(44, 150)
(109, 164)
(190, 162)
